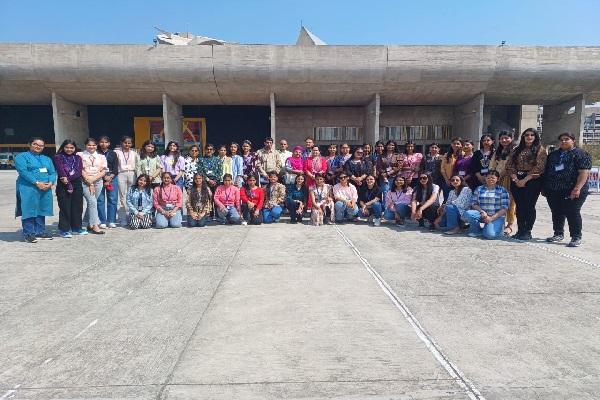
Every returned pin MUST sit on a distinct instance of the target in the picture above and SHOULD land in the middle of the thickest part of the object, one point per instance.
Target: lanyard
(165, 197)
(369, 194)
(92, 159)
(319, 194)
(126, 157)
(70, 165)
(250, 193)
(562, 156)
(227, 193)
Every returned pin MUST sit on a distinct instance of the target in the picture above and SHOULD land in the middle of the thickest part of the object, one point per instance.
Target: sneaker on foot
(102, 226)
(376, 221)
(244, 223)
(555, 238)
(31, 239)
(81, 232)
(575, 242)
(45, 236)
(65, 235)
(111, 225)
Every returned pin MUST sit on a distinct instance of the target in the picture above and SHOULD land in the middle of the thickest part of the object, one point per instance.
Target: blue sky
(519, 22)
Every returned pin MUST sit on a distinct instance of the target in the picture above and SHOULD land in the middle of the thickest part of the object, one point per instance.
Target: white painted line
(560, 253)
(94, 322)
(10, 393)
(431, 345)
(48, 360)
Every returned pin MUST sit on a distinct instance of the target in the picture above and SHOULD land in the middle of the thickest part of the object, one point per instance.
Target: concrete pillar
(173, 120)
(372, 111)
(468, 119)
(70, 121)
(565, 117)
(528, 118)
(273, 117)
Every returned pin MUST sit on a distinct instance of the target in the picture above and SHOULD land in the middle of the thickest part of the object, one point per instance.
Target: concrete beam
(468, 119)
(70, 121)
(273, 116)
(565, 117)
(173, 120)
(372, 111)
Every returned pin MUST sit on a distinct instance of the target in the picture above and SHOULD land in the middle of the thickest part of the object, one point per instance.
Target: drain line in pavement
(452, 370)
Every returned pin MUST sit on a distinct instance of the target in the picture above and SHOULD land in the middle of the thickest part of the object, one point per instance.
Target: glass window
(339, 134)
(404, 133)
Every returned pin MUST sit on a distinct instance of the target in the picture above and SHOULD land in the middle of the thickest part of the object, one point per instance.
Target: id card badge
(71, 173)
(209, 172)
(169, 206)
(93, 170)
(44, 170)
(559, 167)
(147, 168)
(462, 173)
(485, 170)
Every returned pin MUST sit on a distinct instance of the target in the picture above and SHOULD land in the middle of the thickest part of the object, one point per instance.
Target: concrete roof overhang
(298, 75)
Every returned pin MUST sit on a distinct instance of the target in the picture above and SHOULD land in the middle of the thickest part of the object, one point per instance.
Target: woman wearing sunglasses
(458, 201)
(425, 201)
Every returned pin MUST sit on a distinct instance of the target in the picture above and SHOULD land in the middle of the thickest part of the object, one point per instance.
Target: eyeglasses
(210, 149)
(566, 139)
(37, 145)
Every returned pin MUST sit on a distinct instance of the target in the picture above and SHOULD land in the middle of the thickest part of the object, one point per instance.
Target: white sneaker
(244, 223)
(112, 225)
(376, 221)
(102, 226)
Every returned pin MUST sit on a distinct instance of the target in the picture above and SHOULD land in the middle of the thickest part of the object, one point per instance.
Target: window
(404, 133)
(339, 134)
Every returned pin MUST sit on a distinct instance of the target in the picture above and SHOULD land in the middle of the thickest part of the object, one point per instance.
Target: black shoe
(517, 235)
(44, 236)
(431, 227)
(421, 224)
(575, 242)
(31, 239)
(526, 236)
(555, 239)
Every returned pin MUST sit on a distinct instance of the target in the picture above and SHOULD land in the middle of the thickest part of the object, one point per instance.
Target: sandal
(508, 231)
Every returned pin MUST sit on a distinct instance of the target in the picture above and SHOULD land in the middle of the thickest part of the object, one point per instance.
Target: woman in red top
(168, 201)
(252, 198)
(227, 201)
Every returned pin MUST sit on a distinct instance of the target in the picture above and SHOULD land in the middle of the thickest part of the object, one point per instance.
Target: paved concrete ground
(286, 311)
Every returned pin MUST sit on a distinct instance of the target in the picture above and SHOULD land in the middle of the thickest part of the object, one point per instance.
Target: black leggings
(525, 200)
(70, 206)
(248, 215)
(563, 207)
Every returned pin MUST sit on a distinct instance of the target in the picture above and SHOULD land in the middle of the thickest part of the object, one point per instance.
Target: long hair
(167, 151)
(501, 152)
(144, 154)
(148, 188)
(405, 185)
(61, 149)
(450, 152)
(203, 194)
(481, 139)
(462, 185)
(428, 188)
(388, 143)
(535, 146)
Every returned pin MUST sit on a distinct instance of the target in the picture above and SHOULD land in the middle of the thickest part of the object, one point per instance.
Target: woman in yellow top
(227, 162)
(447, 165)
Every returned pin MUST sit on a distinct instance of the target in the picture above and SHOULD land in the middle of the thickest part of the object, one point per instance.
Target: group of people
(485, 190)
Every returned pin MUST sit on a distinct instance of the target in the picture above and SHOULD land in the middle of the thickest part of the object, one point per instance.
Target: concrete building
(220, 92)
(591, 130)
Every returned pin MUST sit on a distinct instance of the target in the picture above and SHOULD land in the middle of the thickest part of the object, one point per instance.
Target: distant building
(591, 129)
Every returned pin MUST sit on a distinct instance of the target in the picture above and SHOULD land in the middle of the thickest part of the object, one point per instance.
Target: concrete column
(273, 117)
(468, 119)
(372, 111)
(565, 117)
(173, 120)
(70, 121)
(528, 118)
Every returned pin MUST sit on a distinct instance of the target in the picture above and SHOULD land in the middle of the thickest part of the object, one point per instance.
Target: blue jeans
(164, 222)
(107, 203)
(231, 214)
(342, 211)
(445, 189)
(191, 222)
(271, 215)
(34, 225)
(491, 230)
(451, 217)
(374, 209)
(403, 210)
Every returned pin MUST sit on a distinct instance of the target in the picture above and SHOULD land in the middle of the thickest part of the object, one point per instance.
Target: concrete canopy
(298, 75)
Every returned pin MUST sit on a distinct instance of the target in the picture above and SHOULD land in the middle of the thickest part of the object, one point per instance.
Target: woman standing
(357, 168)
(94, 168)
(227, 202)
(34, 190)
(388, 166)
(346, 198)
(249, 158)
(498, 163)
(369, 200)
(140, 203)
(489, 204)
(69, 191)
(128, 159)
(462, 167)
(453, 210)
(525, 167)
(237, 165)
(192, 165)
(321, 196)
(296, 199)
(198, 202)
(431, 164)
(480, 165)
(149, 163)
(173, 163)
(315, 164)
(410, 163)
(337, 165)
(168, 201)
(448, 162)
(109, 196)
(212, 167)
(294, 166)
(378, 153)
(274, 199)
(252, 197)
(425, 201)
(226, 162)
(398, 201)
(331, 155)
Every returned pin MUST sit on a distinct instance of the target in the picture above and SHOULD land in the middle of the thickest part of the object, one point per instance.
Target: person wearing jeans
(489, 205)
(227, 201)
(274, 199)
(296, 199)
(168, 201)
(458, 201)
(398, 200)
(109, 195)
(94, 169)
(346, 198)
(369, 199)
(199, 204)
(565, 188)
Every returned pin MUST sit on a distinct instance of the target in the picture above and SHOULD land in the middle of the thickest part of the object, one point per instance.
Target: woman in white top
(459, 201)
(425, 201)
(346, 198)
(322, 202)
(94, 168)
(128, 159)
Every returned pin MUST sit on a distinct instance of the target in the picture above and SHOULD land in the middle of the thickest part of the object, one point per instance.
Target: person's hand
(194, 215)
(64, 180)
(91, 188)
(40, 185)
(223, 210)
(521, 183)
(364, 210)
(140, 215)
(250, 205)
(448, 182)
(419, 214)
(255, 213)
(414, 215)
(575, 193)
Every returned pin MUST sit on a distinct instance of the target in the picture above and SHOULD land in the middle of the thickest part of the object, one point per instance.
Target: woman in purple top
(249, 159)
(462, 167)
(173, 163)
(69, 191)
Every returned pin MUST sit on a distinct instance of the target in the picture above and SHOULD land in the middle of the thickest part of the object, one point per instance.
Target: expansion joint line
(212, 55)
(472, 392)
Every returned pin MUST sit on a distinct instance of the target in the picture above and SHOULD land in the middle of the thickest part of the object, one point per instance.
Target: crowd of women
(483, 191)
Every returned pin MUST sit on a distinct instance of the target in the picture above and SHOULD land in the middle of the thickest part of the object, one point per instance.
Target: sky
(518, 22)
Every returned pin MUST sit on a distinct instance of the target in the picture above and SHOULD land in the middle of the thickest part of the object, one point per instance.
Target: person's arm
(280, 193)
(540, 163)
(217, 198)
(21, 165)
(156, 201)
(60, 169)
(261, 200)
(429, 201)
(260, 167)
(243, 196)
(582, 177)
(130, 206)
(178, 199)
(78, 168)
(149, 204)
(180, 168)
(236, 201)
